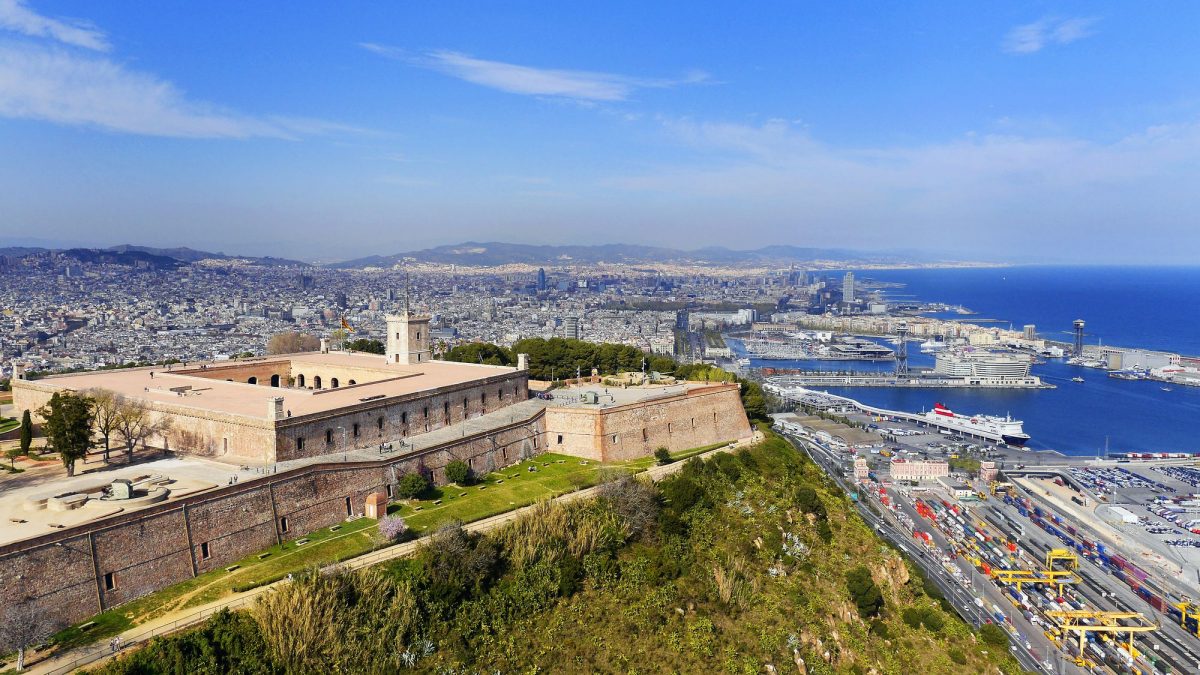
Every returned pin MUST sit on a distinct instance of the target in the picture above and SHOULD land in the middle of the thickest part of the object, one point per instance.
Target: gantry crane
(1189, 616)
(1061, 566)
(1101, 622)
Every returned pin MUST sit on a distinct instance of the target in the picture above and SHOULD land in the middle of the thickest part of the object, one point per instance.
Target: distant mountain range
(128, 254)
(496, 253)
(489, 254)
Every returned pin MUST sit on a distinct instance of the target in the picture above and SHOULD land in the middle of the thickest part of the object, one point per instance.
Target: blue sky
(335, 130)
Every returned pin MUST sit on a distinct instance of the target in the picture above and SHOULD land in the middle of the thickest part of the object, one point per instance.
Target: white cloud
(16, 16)
(1009, 194)
(54, 85)
(579, 85)
(1033, 37)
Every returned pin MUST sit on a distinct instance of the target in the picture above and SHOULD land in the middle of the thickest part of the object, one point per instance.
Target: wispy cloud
(580, 85)
(16, 16)
(973, 190)
(1033, 37)
(57, 72)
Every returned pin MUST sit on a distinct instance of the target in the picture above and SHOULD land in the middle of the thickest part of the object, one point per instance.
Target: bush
(459, 472)
(923, 617)
(863, 591)
(411, 485)
(393, 529)
(634, 501)
(957, 656)
(663, 455)
(993, 635)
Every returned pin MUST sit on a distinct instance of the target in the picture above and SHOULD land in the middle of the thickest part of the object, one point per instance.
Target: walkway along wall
(81, 571)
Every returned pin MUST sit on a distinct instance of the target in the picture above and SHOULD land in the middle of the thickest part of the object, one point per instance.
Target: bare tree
(291, 342)
(136, 423)
(107, 414)
(21, 627)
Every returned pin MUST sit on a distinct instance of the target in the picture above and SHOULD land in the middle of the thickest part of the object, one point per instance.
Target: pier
(817, 378)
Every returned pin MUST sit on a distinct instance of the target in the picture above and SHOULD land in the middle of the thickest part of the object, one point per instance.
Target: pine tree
(26, 433)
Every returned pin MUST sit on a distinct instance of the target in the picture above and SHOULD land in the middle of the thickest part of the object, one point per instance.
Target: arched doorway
(316, 381)
(333, 383)
(252, 380)
(275, 380)
(300, 380)
(352, 383)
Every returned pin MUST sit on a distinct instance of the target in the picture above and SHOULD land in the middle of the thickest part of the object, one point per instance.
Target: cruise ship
(1000, 429)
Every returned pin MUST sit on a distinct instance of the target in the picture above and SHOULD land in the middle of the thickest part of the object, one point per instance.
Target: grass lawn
(7, 424)
(504, 490)
(498, 492)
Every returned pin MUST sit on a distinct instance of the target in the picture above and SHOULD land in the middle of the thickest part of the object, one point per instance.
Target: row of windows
(318, 383)
(355, 430)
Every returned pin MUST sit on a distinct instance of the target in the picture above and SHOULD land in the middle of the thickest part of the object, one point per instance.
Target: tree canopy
(291, 342)
(68, 427)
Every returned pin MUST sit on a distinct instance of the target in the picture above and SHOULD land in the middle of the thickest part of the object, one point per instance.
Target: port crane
(1061, 569)
(1084, 621)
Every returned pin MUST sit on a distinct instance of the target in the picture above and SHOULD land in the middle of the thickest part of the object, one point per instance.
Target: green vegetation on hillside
(724, 567)
(559, 358)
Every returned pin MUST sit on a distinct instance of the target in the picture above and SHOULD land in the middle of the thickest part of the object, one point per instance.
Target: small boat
(1077, 379)
(1166, 389)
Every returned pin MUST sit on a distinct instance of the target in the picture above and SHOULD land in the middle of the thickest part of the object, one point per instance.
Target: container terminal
(1091, 565)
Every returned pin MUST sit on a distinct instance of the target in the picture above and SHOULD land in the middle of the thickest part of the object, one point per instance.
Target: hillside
(732, 565)
(129, 254)
(497, 253)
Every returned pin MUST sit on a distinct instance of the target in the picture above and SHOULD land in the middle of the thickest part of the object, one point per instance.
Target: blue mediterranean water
(1152, 308)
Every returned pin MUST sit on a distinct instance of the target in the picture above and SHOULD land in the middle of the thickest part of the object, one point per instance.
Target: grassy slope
(636, 623)
(554, 475)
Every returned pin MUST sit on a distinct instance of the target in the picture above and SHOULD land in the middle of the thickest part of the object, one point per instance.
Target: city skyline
(1030, 131)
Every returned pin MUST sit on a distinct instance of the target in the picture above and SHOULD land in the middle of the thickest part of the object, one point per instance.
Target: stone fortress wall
(81, 571)
(700, 416)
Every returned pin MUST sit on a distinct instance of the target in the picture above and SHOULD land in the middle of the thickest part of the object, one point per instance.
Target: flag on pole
(346, 325)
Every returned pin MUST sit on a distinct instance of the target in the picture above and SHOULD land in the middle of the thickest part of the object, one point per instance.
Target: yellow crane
(1073, 621)
(1061, 567)
(1189, 616)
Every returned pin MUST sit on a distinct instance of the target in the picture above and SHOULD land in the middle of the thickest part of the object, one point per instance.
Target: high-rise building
(541, 279)
(848, 287)
(1030, 332)
(571, 327)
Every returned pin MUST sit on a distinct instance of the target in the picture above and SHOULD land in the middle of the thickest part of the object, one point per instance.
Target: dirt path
(179, 619)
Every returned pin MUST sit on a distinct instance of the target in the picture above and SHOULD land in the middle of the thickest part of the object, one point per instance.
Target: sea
(1147, 307)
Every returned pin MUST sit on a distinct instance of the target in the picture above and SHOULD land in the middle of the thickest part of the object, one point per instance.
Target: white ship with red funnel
(999, 429)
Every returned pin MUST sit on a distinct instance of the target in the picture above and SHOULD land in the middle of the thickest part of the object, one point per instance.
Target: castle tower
(408, 339)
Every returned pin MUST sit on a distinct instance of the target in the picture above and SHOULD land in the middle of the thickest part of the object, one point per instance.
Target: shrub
(459, 472)
(993, 635)
(393, 529)
(634, 501)
(663, 455)
(863, 591)
(683, 493)
(923, 617)
(957, 656)
(411, 485)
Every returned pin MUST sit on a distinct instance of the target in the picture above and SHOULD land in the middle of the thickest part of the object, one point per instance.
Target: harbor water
(1127, 306)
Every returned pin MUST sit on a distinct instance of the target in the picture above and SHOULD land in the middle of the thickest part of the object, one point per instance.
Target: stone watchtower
(408, 339)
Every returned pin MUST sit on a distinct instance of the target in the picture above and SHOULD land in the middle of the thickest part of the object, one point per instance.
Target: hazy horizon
(1066, 132)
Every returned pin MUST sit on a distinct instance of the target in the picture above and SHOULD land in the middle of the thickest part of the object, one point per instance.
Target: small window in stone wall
(403, 418)
(349, 507)
(204, 552)
(379, 423)
(645, 434)
(299, 443)
(283, 524)
(328, 436)
(356, 428)
(110, 581)
(560, 439)
(614, 438)
(389, 490)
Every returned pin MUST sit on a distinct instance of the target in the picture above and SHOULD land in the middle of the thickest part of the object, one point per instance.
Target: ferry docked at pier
(1000, 429)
